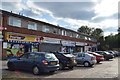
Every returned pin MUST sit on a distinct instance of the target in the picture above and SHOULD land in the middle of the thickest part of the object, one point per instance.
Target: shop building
(25, 34)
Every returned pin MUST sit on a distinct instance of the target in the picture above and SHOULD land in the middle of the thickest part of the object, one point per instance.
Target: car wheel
(98, 61)
(35, 70)
(11, 67)
(71, 67)
(86, 64)
(61, 66)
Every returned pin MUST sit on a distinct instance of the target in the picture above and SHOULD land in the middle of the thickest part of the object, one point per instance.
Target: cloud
(105, 8)
(70, 15)
(108, 33)
(73, 10)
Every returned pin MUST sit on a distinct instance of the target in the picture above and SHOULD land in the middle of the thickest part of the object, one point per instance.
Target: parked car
(106, 54)
(85, 59)
(117, 53)
(65, 60)
(99, 57)
(35, 62)
(112, 52)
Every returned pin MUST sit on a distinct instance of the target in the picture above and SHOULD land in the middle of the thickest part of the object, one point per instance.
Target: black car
(36, 62)
(106, 54)
(65, 60)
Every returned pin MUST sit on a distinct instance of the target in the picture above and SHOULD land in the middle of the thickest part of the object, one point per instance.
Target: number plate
(53, 63)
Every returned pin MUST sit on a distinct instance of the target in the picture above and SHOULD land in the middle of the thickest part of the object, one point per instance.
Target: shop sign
(20, 37)
(68, 43)
(80, 43)
(51, 40)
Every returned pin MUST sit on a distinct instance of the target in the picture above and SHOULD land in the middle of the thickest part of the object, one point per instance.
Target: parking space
(105, 69)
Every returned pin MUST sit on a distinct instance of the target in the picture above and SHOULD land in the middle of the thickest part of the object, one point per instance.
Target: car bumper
(50, 68)
(101, 59)
(93, 62)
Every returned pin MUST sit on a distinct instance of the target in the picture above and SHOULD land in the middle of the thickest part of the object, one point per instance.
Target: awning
(22, 42)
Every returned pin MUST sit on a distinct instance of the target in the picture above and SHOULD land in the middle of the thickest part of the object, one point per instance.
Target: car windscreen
(50, 56)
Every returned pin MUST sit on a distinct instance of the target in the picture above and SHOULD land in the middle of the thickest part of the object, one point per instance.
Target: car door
(31, 61)
(80, 58)
(21, 64)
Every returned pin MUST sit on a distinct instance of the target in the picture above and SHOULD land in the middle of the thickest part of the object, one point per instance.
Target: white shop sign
(51, 40)
(80, 43)
(68, 43)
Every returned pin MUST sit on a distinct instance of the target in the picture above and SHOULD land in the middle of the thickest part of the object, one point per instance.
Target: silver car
(85, 59)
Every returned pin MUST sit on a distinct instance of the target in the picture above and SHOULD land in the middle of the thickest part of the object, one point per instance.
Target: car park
(106, 54)
(65, 60)
(99, 57)
(35, 62)
(85, 59)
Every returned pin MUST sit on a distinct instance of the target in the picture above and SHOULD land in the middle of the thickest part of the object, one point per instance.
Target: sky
(69, 14)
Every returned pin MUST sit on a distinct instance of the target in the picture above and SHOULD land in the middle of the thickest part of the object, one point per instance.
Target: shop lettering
(16, 37)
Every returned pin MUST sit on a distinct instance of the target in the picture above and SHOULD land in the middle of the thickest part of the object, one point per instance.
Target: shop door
(28, 48)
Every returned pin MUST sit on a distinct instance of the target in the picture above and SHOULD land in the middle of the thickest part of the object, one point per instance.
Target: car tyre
(86, 64)
(35, 70)
(11, 67)
(61, 66)
(98, 61)
(71, 67)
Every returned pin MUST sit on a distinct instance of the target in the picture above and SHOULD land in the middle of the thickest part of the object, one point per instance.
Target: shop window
(13, 21)
(34, 48)
(32, 25)
(14, 49)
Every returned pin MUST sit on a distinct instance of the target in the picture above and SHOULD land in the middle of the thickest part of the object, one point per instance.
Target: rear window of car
(50, 56)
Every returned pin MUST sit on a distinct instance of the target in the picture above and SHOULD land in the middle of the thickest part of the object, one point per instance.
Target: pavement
(105, 69)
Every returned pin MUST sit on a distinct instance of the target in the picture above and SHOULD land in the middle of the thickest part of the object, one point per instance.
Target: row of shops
(17, 43)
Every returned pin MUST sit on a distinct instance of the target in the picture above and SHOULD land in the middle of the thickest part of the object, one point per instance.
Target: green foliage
(119, 30)
(85, 30)
(108, 42)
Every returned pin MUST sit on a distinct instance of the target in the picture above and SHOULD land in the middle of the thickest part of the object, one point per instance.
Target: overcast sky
(93, 13)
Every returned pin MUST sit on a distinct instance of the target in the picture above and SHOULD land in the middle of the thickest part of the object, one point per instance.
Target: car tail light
(93, 58)
(45, 62)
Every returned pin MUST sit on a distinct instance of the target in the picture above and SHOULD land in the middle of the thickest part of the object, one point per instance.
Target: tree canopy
(109, 42)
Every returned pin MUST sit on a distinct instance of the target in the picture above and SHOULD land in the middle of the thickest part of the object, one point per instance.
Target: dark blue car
(36, 62)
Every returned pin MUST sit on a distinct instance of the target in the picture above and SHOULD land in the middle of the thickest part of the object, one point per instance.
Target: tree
(97, 33)
(118, 30)
(85, 30)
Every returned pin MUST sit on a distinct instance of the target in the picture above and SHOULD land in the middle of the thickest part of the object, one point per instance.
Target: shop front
(94, 48)
(50, 45)
(16, 44)
(68, 46)
(79, 47)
